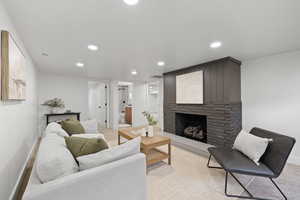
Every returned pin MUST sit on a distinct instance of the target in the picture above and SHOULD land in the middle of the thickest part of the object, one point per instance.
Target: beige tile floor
(189, 179)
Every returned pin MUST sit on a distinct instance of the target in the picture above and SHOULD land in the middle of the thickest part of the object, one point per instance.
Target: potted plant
(54, 105)
(151, 123)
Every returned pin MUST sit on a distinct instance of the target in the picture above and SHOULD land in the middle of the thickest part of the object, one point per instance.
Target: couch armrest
(123, 179)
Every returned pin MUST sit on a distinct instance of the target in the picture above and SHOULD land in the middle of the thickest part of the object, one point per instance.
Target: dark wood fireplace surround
(222, 100)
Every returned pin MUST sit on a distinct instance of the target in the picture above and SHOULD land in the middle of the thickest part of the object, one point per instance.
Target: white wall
(72, 90)
(155, 101)
(139, 103)
(271, 96)
(18, 122)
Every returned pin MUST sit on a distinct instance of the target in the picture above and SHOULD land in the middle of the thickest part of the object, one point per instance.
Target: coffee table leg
(145, 151)
(169, 147)
(119, 139)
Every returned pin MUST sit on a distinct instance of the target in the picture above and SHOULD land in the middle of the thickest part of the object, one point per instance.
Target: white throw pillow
(90, 126)
(56, 128)
(109, 155)
(250, 145)
(54, 160)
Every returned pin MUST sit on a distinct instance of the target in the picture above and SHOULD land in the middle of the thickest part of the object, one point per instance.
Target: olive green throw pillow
(84, 146)
(72, 126)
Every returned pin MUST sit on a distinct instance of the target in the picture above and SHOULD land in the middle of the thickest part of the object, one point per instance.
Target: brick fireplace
(223, 121)
(222, 105)
(191, 126)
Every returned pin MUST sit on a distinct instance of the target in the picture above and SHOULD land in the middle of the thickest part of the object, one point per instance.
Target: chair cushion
(250, 145)
(234, 161)
(278, 151)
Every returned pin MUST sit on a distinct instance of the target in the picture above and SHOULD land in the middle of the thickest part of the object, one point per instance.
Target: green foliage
(54, 103)
(150, 118)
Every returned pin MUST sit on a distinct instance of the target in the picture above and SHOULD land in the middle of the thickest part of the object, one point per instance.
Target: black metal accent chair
(271, 163)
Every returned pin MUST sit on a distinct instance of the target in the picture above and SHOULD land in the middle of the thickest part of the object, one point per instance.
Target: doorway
(153, 98)
(125, 104)
(98, 102)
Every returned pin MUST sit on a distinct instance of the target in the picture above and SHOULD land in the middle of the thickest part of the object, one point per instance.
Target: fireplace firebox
(191, 126)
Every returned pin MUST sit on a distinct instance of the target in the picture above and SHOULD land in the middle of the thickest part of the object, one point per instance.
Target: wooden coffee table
(148, 144)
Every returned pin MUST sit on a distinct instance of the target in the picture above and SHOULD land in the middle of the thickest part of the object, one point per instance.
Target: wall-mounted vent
(157, 76)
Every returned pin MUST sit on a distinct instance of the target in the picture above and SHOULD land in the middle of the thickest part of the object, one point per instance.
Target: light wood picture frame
(13, 82)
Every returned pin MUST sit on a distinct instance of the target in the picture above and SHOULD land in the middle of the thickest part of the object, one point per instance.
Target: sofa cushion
(72, 126)
(55, 128)
(234, 161)
(90, 126)
(90, 135)
(79, 146)
(54, 160)
(109, 155)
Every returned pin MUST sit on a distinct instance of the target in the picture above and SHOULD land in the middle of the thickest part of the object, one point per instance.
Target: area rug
(188, 178)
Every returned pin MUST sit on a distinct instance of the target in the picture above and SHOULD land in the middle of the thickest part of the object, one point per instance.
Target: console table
(48, 116)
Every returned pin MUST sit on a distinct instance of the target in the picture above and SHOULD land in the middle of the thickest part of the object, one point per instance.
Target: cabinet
(128, 115)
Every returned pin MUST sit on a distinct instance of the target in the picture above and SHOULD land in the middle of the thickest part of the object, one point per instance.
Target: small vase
(150, 131)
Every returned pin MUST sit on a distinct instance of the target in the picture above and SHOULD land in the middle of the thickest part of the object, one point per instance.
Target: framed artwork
(13, 83)
(189, 88)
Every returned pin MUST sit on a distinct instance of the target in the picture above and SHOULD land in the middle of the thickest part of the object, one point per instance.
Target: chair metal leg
(237, 180)
(212, 166)
(278, 189)
(250, 195)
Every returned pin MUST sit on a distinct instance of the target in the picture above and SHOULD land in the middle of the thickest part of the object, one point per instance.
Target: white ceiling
(175, 31)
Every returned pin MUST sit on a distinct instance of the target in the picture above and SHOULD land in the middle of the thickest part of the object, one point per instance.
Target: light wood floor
(189, 179)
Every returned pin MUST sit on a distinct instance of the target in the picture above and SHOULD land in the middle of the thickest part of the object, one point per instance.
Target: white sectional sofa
(123, 179)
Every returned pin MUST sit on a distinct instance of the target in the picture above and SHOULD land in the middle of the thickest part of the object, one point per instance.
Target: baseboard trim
(188, 144)
(294, 160)
(15, 194)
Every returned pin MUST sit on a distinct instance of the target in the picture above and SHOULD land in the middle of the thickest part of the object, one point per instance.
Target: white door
(98, 102)
(139, 104)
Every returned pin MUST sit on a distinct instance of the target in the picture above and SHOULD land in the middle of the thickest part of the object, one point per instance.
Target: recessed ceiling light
(134, 72)
(93, 47)
(161, 63)
(215, 44)
(80, 64)
(131, 2)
